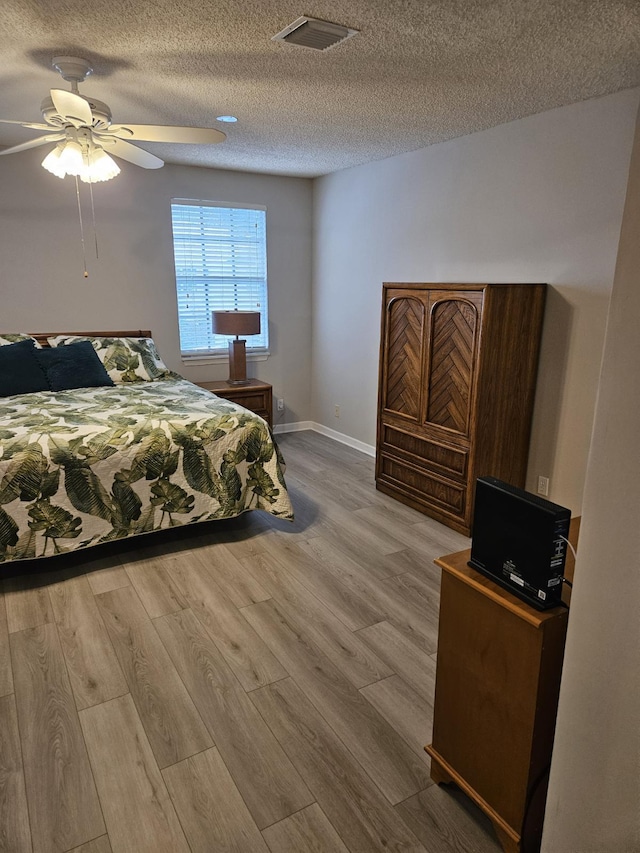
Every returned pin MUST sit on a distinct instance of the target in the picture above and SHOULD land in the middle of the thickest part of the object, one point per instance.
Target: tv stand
(497, 682)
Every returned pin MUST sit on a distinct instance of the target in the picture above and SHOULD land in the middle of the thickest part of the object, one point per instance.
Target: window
(220, 253)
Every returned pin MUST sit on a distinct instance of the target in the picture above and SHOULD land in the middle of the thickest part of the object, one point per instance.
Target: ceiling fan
(85, 137)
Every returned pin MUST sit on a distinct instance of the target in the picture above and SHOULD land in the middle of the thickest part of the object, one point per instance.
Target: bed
(84, 466)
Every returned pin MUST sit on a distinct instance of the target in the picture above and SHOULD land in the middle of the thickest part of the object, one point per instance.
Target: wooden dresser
(458, 365)
(497, 685)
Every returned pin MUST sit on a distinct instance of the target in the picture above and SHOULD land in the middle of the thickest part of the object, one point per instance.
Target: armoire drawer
(451, 461)
(422, 486)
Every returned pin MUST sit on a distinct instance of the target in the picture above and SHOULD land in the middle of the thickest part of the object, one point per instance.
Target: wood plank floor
(251, 686)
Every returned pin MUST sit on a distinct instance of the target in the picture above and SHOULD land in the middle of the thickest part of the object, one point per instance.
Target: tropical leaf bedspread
(82, 467)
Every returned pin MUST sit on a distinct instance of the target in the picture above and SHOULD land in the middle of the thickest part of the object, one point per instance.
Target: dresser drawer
(255, 401)
(425, 488)
(444, 458)
(255, 395)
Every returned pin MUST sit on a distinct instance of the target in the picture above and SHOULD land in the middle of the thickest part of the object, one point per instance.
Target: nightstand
(255, 395)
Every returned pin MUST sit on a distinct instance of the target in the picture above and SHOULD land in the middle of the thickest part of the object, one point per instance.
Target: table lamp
(236, 323)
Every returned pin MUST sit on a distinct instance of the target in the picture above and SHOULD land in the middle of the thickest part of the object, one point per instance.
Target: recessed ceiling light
(228, 119)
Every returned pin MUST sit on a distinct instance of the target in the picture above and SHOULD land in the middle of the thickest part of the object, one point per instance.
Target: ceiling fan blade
(129, 152)
(166, 133)
(34, 143)
(72, 107)
(30, 124)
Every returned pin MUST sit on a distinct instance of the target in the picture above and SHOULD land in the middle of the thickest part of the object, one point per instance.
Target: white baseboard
(297, 427)
(369, 449)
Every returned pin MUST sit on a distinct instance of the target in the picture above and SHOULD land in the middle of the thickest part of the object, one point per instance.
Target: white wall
(132, 285)
(539, 199)
(593, 804)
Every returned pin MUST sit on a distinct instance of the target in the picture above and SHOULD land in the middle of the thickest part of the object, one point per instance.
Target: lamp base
(237, 363)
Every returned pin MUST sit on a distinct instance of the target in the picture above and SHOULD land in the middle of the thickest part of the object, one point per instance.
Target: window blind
(220, 254)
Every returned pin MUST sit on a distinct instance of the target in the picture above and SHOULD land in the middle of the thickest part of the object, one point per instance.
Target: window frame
(258, 352)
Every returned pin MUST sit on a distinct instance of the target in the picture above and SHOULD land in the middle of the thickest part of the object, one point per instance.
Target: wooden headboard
(41, 337)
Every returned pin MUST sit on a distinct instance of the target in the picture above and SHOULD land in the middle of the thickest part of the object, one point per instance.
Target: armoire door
(450, 372)
(404, 351)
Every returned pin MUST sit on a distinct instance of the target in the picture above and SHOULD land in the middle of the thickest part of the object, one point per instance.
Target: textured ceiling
(419, 72)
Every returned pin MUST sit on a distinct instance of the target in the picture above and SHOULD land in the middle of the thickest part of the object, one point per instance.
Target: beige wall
(132, 285)
(539, 199)
(594, 796)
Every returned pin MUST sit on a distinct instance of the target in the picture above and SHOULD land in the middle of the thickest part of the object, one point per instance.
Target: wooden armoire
(458, 365)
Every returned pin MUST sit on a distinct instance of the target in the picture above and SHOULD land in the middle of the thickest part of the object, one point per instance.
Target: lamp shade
(52, 161)
(235, 322)
(71, 160)
(99, 166)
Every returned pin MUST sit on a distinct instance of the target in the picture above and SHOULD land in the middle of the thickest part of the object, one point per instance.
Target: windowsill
(209, 359)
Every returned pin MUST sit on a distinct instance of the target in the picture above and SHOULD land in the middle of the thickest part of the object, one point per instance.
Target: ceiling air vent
(313, 33)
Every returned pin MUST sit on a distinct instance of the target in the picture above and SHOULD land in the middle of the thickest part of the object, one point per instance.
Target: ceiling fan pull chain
(93, 218)
(84, 257)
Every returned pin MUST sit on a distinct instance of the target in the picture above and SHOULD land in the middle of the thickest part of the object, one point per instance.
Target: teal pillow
(20, 372)
(73, 366)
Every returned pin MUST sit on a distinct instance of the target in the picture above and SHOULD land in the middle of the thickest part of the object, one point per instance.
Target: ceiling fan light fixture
(88, 161)
(99, 166)
(71, 161)
(52, 161)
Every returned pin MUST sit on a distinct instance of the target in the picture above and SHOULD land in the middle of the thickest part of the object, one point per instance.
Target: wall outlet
(336, 411)
(543, 486)
(280, 404)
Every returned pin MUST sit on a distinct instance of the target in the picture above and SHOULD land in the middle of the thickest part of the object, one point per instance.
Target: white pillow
(8, 338)
(125, 359)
